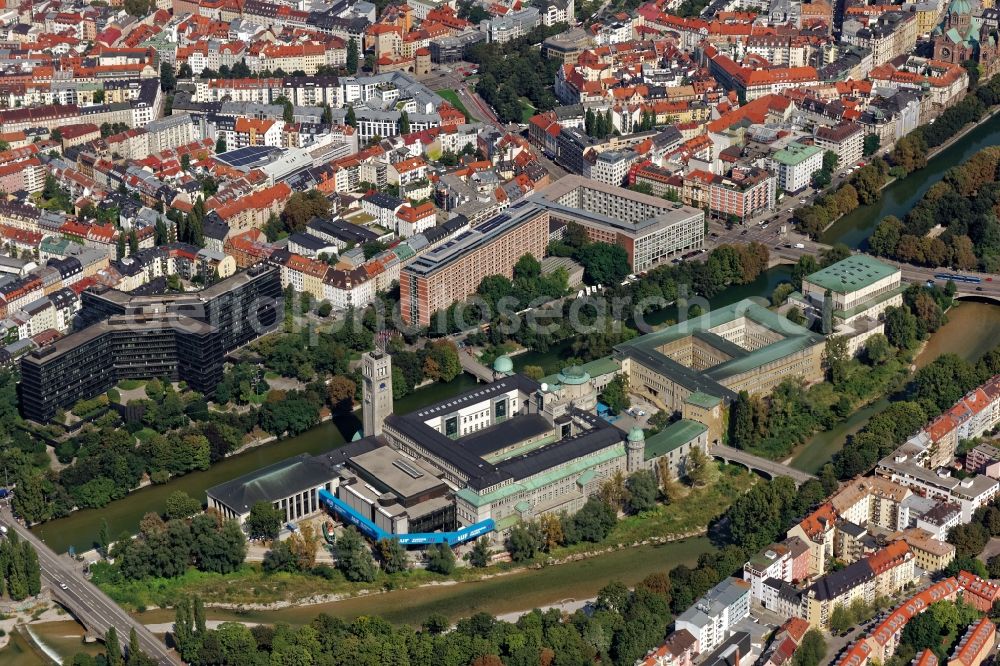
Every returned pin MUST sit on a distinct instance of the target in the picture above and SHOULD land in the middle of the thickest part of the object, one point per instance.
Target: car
(63, 586)
(714, 235)
(764, 226)
(744, 232)
(979, 288)
(802, 201)
(800, 246)
(989, 279)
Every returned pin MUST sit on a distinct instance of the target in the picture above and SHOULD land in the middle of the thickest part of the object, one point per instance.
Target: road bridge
(472, 366)
(85, 601)
(762, 466)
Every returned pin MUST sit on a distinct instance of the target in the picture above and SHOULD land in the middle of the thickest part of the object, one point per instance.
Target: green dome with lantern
(503, 364)
(574, 375)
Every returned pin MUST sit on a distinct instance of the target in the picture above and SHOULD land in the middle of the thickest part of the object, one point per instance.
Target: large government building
(742, 347)
(175, 336)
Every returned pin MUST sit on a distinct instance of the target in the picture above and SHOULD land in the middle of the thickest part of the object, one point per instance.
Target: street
(84, 600)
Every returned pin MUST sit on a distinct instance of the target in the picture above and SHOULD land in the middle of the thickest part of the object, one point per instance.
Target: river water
(79, 529)
(899, 197)
(972, 330)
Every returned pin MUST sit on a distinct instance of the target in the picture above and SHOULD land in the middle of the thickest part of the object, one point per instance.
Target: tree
(594, 521)
(701, 469)
(340, 393)
(900, 327)
(480, 555)
(264, 521)
(603, 263)
(327, 117)
(841, 619)
(404, 122)
(615, 394)
(393, 556)
(350, 118)
(220, 144)
(114, 650)
(811, 650)
(302, 207)
(550, 528)
(441, 559)
(167, 79)
(642, 489)
(742, 434)
(522, 544)
(182, 505)
(104, 538)
(353, 558)
(871, 144)
(352, 56)
(836, 359)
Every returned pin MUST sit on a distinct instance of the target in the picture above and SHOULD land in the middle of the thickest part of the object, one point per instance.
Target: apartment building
(846, 139)
(795, 165)
(742, 193)
(711, 619)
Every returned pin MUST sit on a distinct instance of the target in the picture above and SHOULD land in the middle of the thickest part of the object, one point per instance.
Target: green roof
(574, 375)
(855, 272)
(580, 466)
(503, 364)
(674, 436)
(703, 400)
(795, 153)
(645, 349)
(602, 366)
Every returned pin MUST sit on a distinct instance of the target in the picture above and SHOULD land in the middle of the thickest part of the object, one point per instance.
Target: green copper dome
(636, 434)
(503, 364)
(574, 375)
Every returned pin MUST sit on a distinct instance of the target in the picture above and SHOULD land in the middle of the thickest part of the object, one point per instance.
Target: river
(972, 330)
(898, 198)
(79, 529)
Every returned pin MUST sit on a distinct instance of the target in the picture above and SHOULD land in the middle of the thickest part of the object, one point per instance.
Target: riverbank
(931, 155)
(251, 590)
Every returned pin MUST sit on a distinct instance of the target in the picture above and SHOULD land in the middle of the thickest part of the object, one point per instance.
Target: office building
(452, 271)
(652, 230)
(180, 337)
(711, 618)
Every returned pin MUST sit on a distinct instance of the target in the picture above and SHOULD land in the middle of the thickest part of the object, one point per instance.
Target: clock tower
(376, 373)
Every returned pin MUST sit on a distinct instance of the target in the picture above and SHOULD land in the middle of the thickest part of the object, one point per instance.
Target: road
(85, 601)
(771, 468)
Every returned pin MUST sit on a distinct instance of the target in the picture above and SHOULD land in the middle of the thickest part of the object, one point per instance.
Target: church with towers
(964, 35)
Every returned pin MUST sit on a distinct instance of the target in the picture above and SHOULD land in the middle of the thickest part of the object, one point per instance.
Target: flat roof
(404, 476)
(795, 153)
(855, 272)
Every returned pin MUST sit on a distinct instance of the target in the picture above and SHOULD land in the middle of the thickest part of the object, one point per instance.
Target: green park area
(451, 97)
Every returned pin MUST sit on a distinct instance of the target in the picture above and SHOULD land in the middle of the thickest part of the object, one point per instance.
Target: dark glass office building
(180, 337)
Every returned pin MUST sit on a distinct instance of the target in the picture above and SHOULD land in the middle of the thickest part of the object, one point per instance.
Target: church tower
(376, 373)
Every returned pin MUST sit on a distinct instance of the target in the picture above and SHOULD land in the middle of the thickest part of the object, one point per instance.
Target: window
(500, 409)
(451, 426)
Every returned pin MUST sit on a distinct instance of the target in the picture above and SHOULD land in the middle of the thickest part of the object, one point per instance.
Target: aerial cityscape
(500, 333)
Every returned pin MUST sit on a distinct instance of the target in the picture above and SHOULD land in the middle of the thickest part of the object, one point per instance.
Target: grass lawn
(527, 110)
(451, 97)
(271, 375)
(130, 384)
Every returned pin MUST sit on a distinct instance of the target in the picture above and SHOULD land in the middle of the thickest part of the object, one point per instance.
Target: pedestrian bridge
(767, 468)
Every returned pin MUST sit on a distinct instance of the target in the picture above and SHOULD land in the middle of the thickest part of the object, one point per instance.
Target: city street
(84, 600)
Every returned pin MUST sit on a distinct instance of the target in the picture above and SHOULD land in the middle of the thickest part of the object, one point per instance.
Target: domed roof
(574, 374)
(636, 434)
(503, 364)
